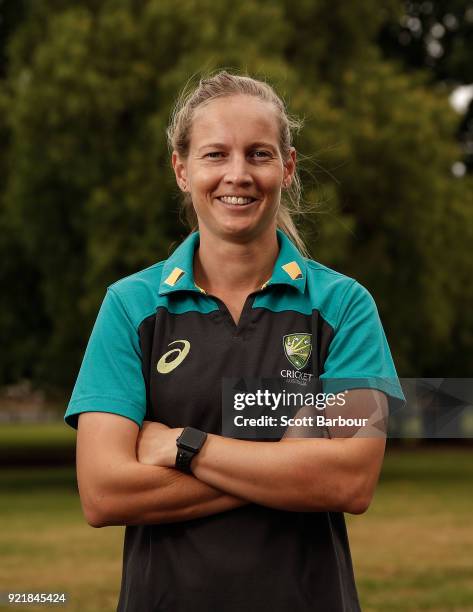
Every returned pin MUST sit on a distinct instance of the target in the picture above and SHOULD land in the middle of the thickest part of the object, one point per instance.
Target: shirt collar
(290, 267)
(178, 270)
(178, 274)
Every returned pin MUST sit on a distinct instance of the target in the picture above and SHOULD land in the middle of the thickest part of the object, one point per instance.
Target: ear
(180, 170)
(289, 168)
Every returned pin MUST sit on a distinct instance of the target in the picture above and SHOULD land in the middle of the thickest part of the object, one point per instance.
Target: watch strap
(188, 444)
(183, 460)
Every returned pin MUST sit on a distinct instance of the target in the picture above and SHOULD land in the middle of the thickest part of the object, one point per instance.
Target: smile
(236, 201)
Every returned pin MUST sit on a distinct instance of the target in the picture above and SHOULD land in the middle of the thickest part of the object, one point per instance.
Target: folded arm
(305, 475)
(299, 475)
(115, 489)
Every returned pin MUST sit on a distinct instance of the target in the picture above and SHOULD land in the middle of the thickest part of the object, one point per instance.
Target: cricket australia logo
(298, 348)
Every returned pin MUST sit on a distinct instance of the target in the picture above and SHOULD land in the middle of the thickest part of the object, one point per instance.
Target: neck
(221, 266)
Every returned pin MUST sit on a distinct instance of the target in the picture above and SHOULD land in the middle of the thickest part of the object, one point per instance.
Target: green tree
(90, 196)
(90, 188)
(22, 320)
(436, 35)
(413, 223)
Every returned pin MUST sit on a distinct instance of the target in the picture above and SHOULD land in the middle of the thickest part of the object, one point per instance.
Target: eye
(213, 154)
(261, 154)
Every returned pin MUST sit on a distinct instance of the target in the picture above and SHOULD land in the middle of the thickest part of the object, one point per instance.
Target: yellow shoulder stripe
(175, 275)
(292, 269)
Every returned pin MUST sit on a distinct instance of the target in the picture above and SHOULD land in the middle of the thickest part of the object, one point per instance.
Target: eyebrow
(221, 145)
(264, 145)
(212, 145)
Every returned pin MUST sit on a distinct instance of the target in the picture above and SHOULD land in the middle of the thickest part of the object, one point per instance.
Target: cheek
(204, 180)
(271, 175)
(271, 182)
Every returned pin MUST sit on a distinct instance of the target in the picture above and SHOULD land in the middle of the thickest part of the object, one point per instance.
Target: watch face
(191, 439)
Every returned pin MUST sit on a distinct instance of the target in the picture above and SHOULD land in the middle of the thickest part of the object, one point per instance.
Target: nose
(237, 171)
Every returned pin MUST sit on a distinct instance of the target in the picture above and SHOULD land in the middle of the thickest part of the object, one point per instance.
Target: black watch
(189, 444)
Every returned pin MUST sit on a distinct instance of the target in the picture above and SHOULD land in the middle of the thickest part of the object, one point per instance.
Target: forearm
(136, 494)
(298, 475)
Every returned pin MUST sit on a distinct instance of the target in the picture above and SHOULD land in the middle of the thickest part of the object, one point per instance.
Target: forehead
(237, 118)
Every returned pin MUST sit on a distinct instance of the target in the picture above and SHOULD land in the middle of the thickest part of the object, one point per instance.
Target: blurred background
(87, 196)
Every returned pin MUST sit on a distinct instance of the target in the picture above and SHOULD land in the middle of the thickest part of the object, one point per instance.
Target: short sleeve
(359, 355)
(110, 378)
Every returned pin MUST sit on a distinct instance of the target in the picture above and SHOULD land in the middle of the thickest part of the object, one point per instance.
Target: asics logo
(170, 360)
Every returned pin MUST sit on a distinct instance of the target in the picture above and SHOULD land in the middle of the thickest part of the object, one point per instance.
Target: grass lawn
(15, 435)
(412, 551)
(30, 444)
(46, 546)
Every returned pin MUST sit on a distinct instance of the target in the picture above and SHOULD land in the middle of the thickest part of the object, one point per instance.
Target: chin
(243, 233)
(237, 229)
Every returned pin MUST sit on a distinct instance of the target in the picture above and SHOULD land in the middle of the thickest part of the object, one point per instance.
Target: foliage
(89, 197)
(436, 34)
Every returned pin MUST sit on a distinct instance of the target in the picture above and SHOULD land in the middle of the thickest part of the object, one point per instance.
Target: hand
(156, 444)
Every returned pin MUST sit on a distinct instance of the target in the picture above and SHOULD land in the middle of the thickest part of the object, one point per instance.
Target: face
(235, 171)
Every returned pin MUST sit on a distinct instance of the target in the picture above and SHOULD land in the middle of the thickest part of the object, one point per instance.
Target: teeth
(235, 200)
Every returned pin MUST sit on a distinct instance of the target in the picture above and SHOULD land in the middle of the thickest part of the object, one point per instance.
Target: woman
(215, 523)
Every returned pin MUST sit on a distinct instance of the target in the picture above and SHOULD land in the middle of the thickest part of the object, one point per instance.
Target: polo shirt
(159, 351)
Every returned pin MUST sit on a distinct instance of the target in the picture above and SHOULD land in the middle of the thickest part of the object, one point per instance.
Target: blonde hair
(224, 84)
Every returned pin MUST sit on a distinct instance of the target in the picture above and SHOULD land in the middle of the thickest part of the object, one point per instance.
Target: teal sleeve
(110, 378)
(359, 355)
